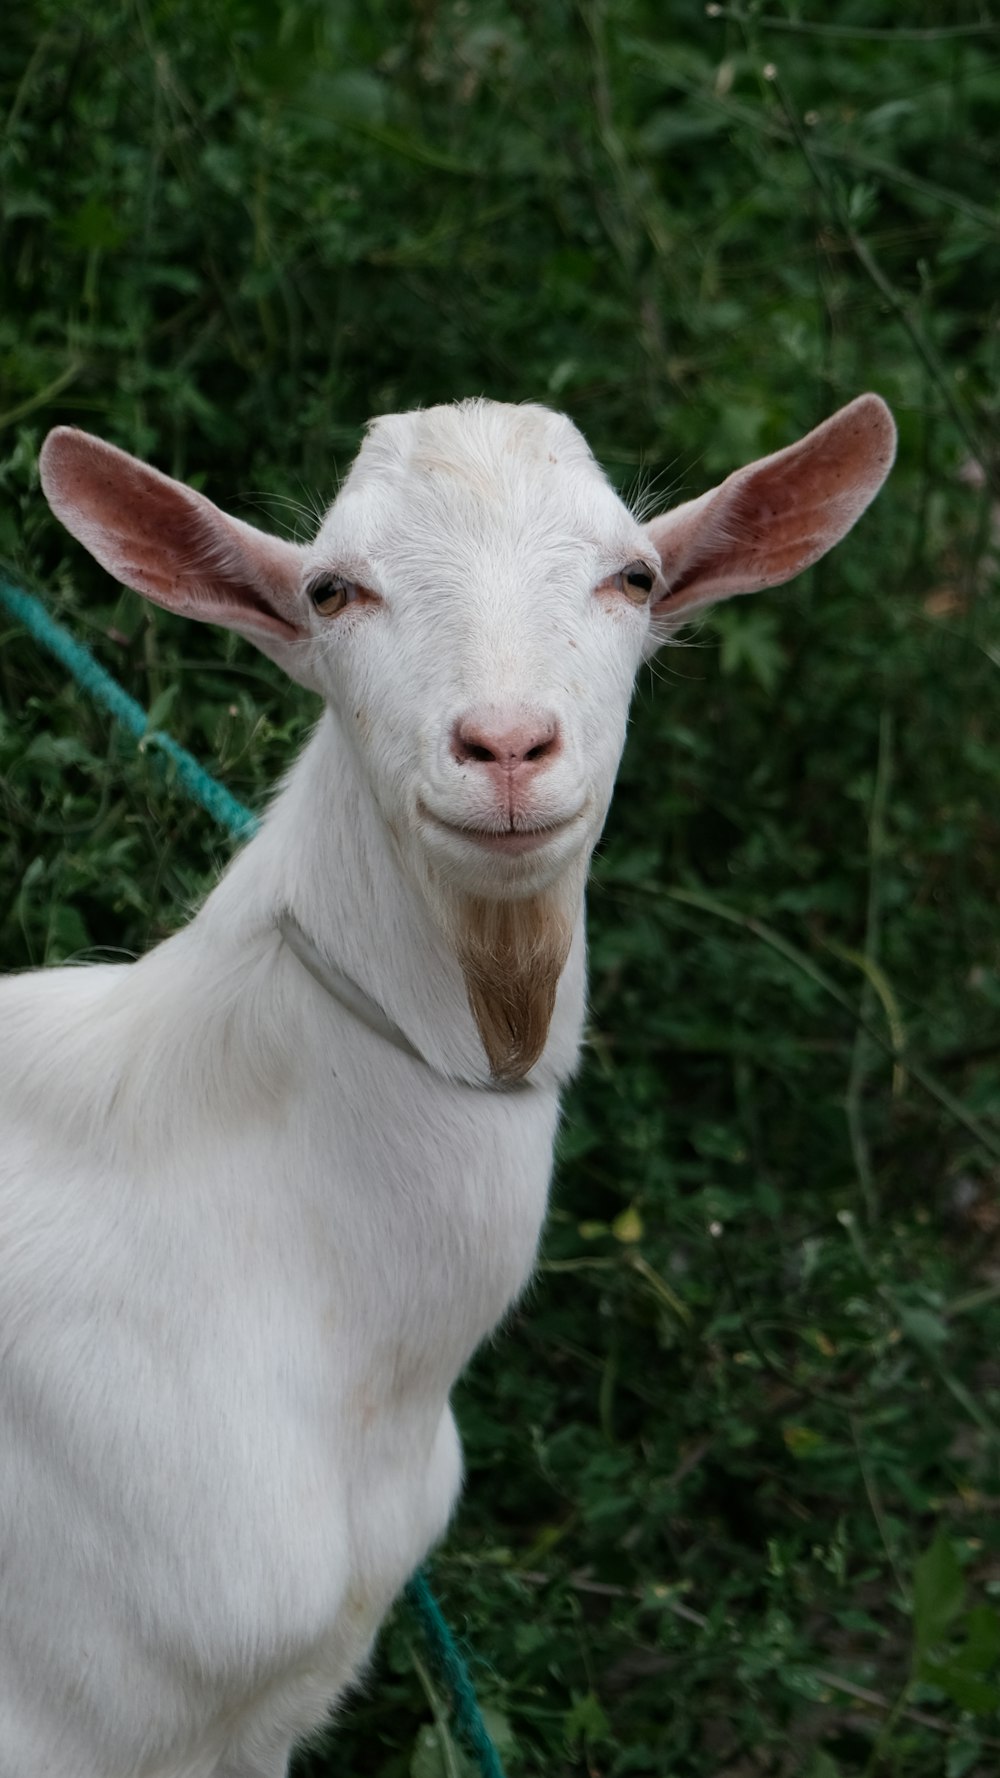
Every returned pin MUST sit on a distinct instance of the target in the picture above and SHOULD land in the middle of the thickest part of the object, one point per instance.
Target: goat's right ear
(171, 544)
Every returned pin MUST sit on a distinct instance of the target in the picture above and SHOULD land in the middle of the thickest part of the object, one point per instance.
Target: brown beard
(512, 954)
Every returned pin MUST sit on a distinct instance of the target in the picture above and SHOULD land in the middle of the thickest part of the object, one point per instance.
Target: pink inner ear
(769, 521)
(166, 541)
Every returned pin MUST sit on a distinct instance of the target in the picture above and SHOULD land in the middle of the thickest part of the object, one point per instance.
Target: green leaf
(750, 643)
(963, 1753)
(822, 1766)
(436, 1754)
(923, 1326)
(60, 750)
(94, 225)
(586, 1721)
(627, 1226)
(981, 1650)
(803, 1441)
(68, 934)
(500, 1731)
(938, 1591)
(981, 1696)
(160, 708)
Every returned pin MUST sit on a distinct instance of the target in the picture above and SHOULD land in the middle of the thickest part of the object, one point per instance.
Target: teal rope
(203, 789)
(240, 823)
(454, 1675)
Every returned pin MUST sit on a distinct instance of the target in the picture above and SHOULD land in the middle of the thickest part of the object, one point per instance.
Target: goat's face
(478, 600)
(475, 607)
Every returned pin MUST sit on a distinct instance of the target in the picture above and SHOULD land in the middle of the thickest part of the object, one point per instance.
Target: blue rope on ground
(454, 1675)
(201, 787)
(241, 823)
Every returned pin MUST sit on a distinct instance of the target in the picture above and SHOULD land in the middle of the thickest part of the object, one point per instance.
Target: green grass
(734, 1465)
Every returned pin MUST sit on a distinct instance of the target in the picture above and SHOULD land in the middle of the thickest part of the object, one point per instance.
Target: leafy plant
(956, 1648)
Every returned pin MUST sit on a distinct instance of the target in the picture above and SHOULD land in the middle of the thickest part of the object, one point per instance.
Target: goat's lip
(507, 840)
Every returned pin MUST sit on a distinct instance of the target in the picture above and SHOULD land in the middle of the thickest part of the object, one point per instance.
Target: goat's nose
(517, 748)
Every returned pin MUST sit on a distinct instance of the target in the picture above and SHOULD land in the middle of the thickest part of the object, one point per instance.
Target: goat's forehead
(477, 440)
(476, 472)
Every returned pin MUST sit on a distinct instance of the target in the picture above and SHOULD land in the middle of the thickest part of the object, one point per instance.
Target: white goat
(263, 1192)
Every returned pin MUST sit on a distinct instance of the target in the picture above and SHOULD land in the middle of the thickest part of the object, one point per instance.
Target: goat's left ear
(769, 521)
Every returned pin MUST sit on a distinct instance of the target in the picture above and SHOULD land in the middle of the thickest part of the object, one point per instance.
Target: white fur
(247, 1244)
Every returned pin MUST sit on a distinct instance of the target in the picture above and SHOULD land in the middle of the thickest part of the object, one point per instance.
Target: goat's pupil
(641, 578)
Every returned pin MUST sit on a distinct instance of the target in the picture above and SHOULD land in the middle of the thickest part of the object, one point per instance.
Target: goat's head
(475, 606)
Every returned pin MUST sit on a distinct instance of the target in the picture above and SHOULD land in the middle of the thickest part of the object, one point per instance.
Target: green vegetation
(734, 1466)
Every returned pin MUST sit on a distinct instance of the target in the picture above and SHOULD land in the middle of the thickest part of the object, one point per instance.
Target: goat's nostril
(478, 742)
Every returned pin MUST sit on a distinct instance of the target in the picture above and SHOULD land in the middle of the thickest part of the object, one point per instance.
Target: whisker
(654, 491)
(311, 511)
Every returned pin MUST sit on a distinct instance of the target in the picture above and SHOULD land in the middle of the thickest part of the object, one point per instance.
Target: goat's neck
(325, 856)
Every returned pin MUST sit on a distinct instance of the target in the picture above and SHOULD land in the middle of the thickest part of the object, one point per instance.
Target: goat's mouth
(508, 841)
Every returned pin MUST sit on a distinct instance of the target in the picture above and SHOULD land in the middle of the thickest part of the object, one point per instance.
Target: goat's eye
(637, 582)
(331, 594)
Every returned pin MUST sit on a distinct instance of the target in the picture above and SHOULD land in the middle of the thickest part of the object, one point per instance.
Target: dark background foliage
(733, 1466)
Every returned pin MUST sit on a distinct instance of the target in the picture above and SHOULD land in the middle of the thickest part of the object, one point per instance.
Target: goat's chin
(510, 925)
(512, 953)
(512, 949)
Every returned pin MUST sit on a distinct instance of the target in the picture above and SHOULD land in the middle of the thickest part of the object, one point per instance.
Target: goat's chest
(368, 1293)
(427, 1220)
(363, 1263)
